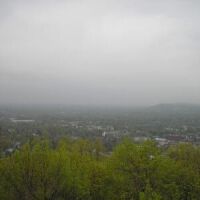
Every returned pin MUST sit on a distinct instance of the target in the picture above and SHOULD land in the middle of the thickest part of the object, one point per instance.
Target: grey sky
(121, 52)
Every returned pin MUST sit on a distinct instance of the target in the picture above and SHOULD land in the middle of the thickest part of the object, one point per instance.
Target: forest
(84, 170)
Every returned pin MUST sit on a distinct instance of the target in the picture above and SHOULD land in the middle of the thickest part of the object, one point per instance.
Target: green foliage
(82, 170)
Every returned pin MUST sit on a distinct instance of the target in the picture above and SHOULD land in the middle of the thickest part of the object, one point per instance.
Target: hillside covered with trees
(83, 169)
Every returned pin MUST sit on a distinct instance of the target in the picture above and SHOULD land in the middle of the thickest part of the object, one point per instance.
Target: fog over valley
(99, 100)
(99, 52)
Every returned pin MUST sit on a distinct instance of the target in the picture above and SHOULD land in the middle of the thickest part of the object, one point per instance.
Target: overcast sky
(120, 52)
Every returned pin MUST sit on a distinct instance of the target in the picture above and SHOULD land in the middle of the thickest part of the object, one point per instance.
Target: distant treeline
(83, 170)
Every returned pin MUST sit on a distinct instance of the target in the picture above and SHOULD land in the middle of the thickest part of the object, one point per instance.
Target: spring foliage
(80, 170)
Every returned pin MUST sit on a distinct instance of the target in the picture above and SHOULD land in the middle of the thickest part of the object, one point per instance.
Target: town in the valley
(165, 124)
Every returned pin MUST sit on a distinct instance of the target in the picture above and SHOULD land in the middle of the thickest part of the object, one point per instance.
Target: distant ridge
(175, 107)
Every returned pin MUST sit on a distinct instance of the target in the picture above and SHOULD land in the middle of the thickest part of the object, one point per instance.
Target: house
(8, 151)
(162, 141)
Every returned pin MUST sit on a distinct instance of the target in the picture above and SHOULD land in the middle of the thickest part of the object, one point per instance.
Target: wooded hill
(83, 170)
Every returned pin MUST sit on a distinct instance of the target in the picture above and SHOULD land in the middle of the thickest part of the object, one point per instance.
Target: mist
(122, 52)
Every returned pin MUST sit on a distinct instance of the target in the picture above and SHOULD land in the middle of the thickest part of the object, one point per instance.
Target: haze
(113, 52)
